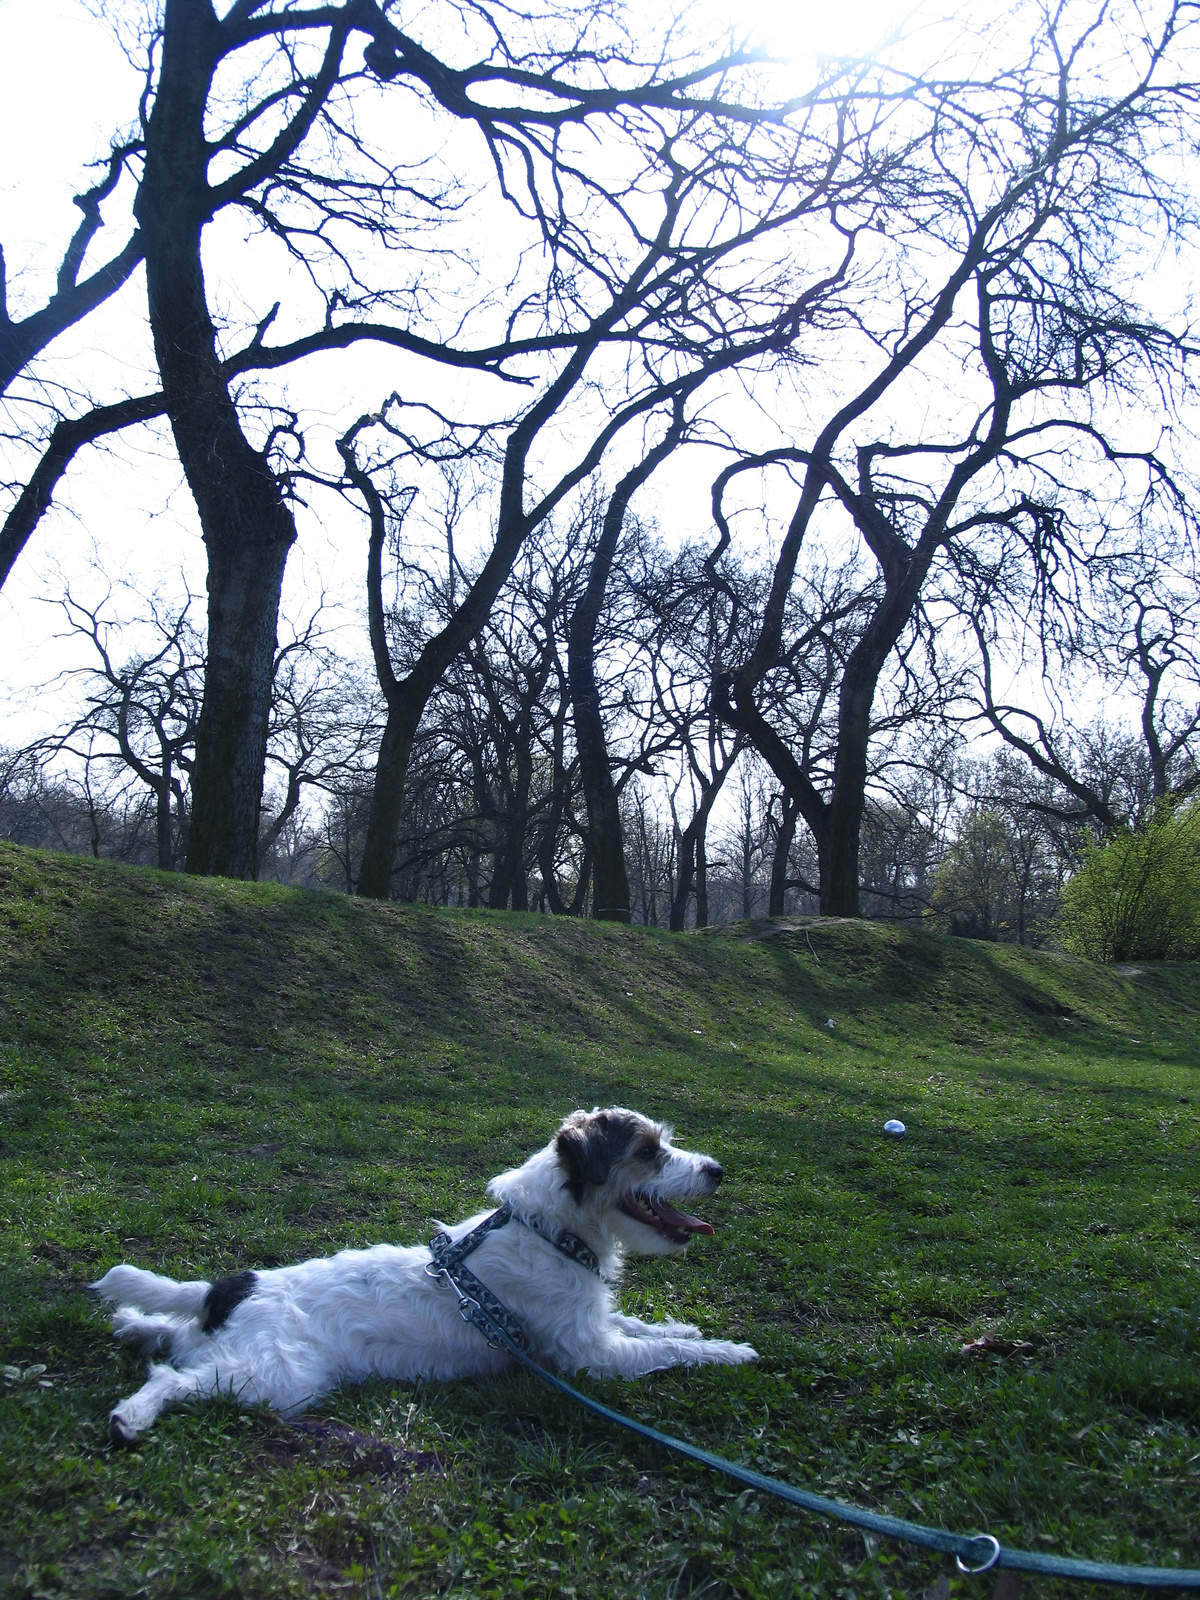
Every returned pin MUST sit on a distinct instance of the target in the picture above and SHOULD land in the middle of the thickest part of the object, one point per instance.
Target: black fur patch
(224, 1295)
(587, 1148)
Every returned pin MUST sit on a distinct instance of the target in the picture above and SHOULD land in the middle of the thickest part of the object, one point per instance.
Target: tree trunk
(783, 849)
(510, 881)
(247, 527)
(743, 713)
(702, 877)
(610, 879)
(1023, 896)
(610, 891)
(685, 877)
(610, 882)
(839, 861)
(836, 824)
(231, 738)
(550, 890)
(162, 821)
(693, 864)
(387, 793)
(287, 811)
(408, 697)
(520, 888)
(691, 840)
(839, 867)
(579, 899)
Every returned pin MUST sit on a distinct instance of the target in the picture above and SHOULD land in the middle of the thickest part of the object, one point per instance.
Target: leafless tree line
(495, 807)
(905, 307)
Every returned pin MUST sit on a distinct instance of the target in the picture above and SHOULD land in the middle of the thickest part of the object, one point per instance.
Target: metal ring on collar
(981, 1538)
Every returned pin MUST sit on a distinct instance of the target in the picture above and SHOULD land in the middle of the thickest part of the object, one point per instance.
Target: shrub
(1137, 897)
(973, 887)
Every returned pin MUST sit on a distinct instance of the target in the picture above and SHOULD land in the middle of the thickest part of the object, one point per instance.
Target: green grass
(202, 1076)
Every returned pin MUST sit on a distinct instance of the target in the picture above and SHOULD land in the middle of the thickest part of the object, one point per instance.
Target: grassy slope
(201, 1076)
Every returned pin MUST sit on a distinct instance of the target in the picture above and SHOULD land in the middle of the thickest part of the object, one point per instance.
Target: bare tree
(324, 720)
(652, 287)
(1005, 855)
(693, 633)
(137, 729)
(1129, 630)
(254, 109)
(1040, 186)
(650, 846)
(45, 807)
(672, 299)
(22, 339)
(610, 892)
(140, 714)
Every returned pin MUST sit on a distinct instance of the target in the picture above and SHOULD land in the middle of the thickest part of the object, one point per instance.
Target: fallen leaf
(990, 1344)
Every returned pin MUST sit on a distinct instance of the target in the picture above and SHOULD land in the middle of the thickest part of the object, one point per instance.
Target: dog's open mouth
(663, 1217)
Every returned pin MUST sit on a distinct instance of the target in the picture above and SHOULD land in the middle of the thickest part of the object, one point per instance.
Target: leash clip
(981, 1538)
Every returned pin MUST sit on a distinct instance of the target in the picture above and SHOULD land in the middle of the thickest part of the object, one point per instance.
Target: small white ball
(895, 1128)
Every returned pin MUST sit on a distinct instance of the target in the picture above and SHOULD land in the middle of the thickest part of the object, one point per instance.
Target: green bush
(1137, 897)
(973, 887)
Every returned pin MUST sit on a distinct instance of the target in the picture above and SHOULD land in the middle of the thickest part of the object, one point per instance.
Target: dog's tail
(148, 1291)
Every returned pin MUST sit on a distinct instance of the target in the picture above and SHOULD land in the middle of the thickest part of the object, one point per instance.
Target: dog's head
(621, 1169)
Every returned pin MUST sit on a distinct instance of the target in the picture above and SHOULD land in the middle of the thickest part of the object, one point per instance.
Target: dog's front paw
(729, 1354)
(121, 1431)
(681, 1330)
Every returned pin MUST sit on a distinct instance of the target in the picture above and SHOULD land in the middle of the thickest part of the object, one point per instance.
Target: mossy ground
(203, 1076)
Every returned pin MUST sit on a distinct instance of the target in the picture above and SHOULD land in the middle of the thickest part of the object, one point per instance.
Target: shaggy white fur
(292, 1334)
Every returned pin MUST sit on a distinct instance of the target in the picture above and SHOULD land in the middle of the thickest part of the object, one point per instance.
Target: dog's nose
(715, 1171)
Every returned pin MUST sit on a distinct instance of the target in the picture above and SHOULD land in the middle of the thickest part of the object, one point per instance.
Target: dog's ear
(586, 1149)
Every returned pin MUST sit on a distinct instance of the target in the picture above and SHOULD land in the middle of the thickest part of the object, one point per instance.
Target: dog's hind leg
(150, 1291)
(150, 1335)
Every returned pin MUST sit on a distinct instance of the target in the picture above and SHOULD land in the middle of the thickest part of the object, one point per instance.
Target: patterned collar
(569, 1243)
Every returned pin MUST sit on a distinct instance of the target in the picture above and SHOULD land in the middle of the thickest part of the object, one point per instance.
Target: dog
(604, 1187)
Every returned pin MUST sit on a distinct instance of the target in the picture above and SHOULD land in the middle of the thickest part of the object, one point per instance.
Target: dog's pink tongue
(680, 1219)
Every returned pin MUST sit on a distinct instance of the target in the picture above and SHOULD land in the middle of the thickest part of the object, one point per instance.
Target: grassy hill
(201, 1076)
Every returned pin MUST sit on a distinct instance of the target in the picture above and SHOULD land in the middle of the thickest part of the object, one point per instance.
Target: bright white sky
(65, 85)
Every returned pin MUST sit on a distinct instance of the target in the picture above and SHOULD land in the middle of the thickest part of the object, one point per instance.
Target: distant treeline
(495, 810)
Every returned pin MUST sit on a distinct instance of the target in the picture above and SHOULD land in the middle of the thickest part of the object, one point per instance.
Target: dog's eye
(647, 1152)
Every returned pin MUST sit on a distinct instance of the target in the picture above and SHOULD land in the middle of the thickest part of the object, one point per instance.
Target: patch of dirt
(359, 1455)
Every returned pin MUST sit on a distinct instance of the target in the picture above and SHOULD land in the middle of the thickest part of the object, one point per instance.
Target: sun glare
(802, 33)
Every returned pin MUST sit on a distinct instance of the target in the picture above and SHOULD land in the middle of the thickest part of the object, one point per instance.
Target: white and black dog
(603, 1186)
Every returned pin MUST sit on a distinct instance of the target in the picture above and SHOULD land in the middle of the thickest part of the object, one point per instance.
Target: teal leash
(973, 1553)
